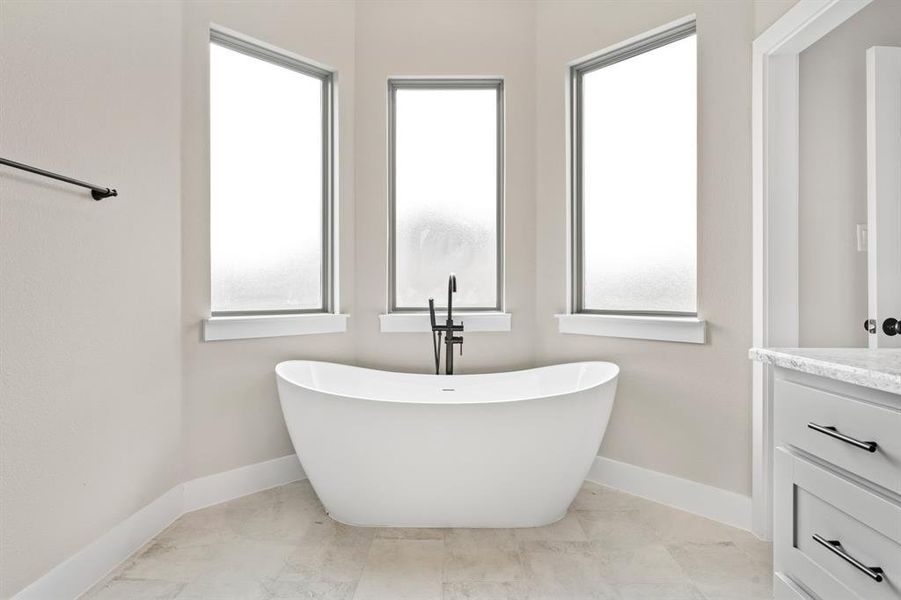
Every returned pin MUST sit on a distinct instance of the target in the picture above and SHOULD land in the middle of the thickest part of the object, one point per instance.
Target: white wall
(833, 176)
(767, 12)
(90, 399)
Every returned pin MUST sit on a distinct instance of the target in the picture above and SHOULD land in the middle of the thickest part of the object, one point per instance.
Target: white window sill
(420, 322)
(263, 326)
(670, 329)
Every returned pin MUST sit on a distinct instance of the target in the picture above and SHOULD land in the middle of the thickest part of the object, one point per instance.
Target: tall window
(634, 171)
(445, 192)
(270, 180)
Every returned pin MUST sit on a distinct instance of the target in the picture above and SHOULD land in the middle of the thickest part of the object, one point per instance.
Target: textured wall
(767, 12)
(90, 397)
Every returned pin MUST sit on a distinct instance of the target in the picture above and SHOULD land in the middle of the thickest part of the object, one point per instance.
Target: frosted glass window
(445, 160)
(269, 121)
(637, 199)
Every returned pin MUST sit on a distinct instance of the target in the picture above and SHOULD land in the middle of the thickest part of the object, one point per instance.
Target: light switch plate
(861, 237)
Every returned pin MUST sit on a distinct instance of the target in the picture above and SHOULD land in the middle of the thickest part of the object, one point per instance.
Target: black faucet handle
(432, 313)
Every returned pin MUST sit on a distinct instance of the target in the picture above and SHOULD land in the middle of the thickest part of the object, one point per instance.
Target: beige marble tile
(280, 521)
(598, 594)
(658, 591)
(724, 571)
(555, 547)
(246, 559)
(331, 562)
(616, 530)
(328, 551)
(195, 529)
(224, 590)
(564, 570)
(482, 538)
(647, 564)
(486, 590)
(239, 560)
(401, 570)
(135, 589)
(318, 590)
(482, 563)
(410, 533)
(760, 552)
(168, 561)
(675, 526)
(278, 514)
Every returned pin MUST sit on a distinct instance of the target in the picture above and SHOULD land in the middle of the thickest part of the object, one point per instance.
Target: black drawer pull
(835, 546)
(834, 433)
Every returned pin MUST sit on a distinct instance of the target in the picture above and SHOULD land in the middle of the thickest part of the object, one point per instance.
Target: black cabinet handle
(834, 433)
(891, 326)
(835, 546)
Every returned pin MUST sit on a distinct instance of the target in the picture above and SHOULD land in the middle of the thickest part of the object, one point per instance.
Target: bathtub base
(465, 525)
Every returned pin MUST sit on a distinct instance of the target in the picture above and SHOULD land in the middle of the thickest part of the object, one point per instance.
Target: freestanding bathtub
(405, 450)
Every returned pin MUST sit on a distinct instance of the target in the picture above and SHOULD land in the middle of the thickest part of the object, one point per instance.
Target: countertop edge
(864, 377)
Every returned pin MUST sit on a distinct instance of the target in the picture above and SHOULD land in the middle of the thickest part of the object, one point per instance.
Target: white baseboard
(90, 564)
(220, 487)
(705, 500)
(85, 568)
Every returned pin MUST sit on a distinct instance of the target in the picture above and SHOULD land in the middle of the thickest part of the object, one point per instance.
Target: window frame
(577, 71)
(452, 83)
(264, 52)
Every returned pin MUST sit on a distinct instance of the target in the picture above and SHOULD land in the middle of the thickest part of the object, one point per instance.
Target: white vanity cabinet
(837, 481)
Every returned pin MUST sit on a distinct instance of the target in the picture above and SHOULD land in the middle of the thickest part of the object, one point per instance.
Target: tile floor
(281, 544)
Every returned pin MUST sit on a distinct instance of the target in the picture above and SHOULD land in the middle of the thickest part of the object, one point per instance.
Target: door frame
(774, 172)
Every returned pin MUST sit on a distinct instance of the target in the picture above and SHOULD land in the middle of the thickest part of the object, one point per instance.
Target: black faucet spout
(447, 330)
(451, 290)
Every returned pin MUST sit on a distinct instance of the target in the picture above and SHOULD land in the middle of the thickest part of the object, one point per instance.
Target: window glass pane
(446, 198)
(639, 169)
(266, 163)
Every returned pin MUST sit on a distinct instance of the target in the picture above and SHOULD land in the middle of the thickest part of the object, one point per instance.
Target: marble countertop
(877, 369)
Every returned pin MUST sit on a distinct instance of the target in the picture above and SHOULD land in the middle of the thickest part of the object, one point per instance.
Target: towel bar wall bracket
(97, 192)
(104, 193)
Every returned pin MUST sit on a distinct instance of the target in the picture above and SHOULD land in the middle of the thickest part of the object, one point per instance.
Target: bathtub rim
(612, 378)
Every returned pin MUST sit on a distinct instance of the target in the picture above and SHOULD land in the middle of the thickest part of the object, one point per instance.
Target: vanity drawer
(852, 524)
(799, 408)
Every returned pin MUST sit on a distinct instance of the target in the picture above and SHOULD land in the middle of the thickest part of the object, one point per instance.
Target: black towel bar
(97, 192)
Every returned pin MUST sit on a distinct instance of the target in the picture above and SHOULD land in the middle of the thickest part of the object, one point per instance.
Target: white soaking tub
(406, 450)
